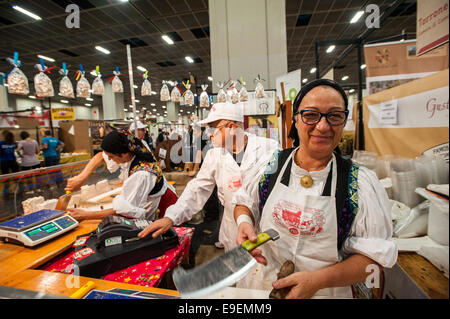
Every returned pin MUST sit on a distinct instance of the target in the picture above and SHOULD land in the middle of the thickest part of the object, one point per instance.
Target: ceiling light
(144, 108)
(181, 110)
(31, 97)
(43, 57)
(363, 66)
(313, 70)
(210, 78)
(141, 68)
(188, 112)
(103, 50)
(345, 77)
(137, 101)
(64, 101)
(125, 110)
(158, 114)
(28, 13)
(163, 106)
(153, 104)
(330, 48)
(357, 16)
(305, 80)
(154, 110)
(167, 39)
(87, 104)
(351, 91)
(153, 93)
(189, 59)
(89, 99)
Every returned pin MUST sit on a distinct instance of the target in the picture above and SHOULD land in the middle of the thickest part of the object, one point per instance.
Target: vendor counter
(36, 269)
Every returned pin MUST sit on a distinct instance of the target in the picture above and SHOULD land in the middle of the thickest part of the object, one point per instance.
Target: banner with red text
(432, 24)
(408, 119)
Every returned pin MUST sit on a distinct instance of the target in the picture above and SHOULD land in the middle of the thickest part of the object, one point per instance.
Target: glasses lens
(310, 117)
(336, 118)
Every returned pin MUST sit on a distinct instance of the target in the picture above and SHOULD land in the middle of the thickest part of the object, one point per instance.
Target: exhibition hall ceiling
(112, 24)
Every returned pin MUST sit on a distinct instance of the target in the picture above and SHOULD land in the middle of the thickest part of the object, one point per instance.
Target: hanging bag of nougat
(175, 95)
(42, 83)
(204, 98)
(83, 86)
(188, 95)
(97, 86)
(116, 83)
(16, 79)
(146, 89)
(259, 89)
(164, 93)
(65, 85)
(243, 94)
(221, 95)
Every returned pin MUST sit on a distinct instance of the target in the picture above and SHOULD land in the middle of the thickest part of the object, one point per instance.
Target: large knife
(63, 201)
(220, 272)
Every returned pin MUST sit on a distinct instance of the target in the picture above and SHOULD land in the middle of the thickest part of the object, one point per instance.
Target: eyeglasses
(213, 130)
(334, 118)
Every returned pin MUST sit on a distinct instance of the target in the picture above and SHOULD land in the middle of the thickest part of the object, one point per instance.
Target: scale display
(36, 228)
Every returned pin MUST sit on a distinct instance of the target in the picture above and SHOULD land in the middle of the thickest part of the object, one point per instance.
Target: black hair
(24, 135)
(293, 134)
(48, 132)
(9, 137)
(118, 143)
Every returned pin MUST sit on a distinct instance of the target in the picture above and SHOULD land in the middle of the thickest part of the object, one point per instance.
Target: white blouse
(371, 231)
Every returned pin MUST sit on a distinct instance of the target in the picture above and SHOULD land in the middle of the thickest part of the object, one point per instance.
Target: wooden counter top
(60, 284)
(16, 258)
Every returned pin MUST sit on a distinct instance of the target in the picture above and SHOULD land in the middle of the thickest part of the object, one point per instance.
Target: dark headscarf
(120, 142)
(293, 134)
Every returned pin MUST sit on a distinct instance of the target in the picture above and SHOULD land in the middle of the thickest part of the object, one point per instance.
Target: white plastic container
(438, 223)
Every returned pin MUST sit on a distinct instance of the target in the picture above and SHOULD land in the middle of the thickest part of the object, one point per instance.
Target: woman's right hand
(74, 183)
(247, 232)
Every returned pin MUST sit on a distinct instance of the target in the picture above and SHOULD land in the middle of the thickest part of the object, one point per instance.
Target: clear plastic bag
(204, 98)
(233, 93)
(66, 88)
(83, 88)
(259, 91)
(97, 86)
(146, 89)
(117, 86)
(42, 84)
(188, 96)
(165, 94)
(175, 95)
(17, 82)
(243, 94)
(221, 95)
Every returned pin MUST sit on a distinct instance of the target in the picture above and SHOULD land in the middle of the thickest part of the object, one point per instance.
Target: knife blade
(220, 272)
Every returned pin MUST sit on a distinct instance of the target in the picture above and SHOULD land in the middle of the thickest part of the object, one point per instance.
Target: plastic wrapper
(66, 88)
(165, 94)
(117, 86)
(17, 82)
(204, 98)
(188, 96)
(97, 86)
(243, 94)
(259, 89)
(146, 89)
(431, 170)
(221, 95)
(366, 159)
(175, 95)
(83, 88)
(404, 182)
(43, 85)
(233, 94)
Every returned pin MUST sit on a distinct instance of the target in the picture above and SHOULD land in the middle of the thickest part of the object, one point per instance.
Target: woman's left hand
(303, 285)
(78, 213)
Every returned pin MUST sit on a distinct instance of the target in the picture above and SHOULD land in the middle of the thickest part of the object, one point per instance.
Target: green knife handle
(262, 238)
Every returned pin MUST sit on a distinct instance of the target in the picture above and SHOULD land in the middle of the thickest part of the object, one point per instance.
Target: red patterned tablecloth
(147, 273)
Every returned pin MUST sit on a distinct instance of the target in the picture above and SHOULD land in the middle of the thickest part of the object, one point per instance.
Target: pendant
(306, 181)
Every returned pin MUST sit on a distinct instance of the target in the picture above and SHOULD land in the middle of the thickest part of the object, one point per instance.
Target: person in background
(237, 160)
(50, 148)
(7, 155)
(30, 149)
(160, 138)
(145, 189)
(142, 131)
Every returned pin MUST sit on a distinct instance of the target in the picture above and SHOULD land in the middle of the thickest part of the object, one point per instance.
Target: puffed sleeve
(196, 193)
(133, 199)
(371, 231)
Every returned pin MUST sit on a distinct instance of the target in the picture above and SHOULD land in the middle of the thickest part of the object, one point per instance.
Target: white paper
(162, 153)
(389, 112)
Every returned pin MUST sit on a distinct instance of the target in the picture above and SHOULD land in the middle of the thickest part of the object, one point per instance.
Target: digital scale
(36, 228)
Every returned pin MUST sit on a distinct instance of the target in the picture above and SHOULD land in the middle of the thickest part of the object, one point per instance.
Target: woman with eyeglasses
(333, 217)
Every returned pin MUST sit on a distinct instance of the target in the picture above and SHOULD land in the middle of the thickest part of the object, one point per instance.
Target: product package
(204, 98)
(17, 81)
(165, 94)
(117, 86)
(188, 95)
(146, 89)
(243, 94)
(97, 85)
(175, 95)
(83, 86)
(221, 95)
(65, 85)
(42, 83)
(233, 93)
(259, 89)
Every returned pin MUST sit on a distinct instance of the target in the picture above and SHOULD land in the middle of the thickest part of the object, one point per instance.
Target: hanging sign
(63, 113)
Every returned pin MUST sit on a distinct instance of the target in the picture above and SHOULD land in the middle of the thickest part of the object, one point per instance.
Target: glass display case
(48, 182)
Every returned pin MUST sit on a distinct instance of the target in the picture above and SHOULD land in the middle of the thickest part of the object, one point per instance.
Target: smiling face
(320, 139)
